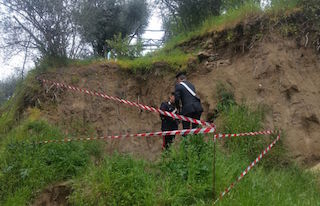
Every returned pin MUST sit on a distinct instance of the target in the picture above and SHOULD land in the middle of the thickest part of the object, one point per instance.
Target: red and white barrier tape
(222, 136)
(227, 190)
(210, 128)
(206, 130)
(141, 106)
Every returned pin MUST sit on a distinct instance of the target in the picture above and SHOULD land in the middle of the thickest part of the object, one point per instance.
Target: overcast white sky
(8, 68)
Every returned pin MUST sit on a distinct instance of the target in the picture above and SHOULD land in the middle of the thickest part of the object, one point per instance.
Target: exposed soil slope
(278, 74)
(81, 113)
(262, 68)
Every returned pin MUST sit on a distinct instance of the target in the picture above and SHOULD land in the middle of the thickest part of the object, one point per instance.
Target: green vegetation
(119, 180)
(284, 5)
(67, 29)
(225, 97)
(23, 97)
(216, 23)
(122, 47)
(231, 18)
(25, 168)
(184, 175)
(182, 15)
(176, 60)
(101, 20)
(7, 87)
(238, 118)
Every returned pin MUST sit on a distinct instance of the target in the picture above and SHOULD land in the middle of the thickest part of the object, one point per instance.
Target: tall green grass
(26, 168)
(184, 176)
(173, 60)
(119, 180)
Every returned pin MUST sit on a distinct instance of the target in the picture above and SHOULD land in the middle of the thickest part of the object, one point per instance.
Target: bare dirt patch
(55, 195)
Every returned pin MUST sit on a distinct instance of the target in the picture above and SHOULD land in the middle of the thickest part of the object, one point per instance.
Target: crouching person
(168, 123)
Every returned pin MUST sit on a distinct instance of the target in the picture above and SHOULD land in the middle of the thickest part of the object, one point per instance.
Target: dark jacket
(190, 103)
(168, 123)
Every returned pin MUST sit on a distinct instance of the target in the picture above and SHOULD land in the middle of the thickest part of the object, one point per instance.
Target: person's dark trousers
(167, 141)
(194, 115)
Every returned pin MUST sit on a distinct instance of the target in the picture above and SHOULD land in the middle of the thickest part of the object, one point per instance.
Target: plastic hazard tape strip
(141, 106)
(227, 190)
(222, 136)
(151, 134)
(208, 130)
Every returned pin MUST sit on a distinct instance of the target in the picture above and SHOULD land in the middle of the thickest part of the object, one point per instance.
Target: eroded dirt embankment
(278, 74)
(262, 68)
(78, 113)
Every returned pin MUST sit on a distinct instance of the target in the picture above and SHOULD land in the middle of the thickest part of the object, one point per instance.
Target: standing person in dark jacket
(185, 93)
(168, 124)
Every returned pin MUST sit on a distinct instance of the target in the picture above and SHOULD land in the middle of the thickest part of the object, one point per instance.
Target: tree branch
(41, 45)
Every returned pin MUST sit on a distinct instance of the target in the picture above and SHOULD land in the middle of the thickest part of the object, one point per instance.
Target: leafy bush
(120, 47)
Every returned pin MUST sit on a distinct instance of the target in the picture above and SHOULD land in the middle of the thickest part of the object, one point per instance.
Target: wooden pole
(214, 170)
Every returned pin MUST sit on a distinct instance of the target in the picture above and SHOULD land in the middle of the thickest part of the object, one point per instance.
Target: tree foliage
(312, 10)
(186, 14)
(67, 28)
(45, 26)
(101, 20)
(121, 47)
(234, 4)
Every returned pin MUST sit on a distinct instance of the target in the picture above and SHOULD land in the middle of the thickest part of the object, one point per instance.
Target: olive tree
(101, 20)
